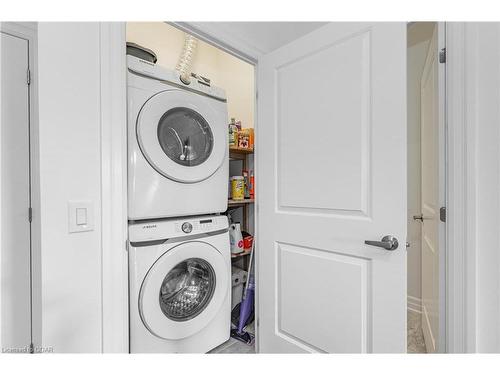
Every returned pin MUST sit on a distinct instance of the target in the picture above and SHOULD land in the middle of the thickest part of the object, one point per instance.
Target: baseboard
(414, 304)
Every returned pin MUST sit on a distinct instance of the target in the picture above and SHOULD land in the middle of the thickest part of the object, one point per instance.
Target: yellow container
(238, 187)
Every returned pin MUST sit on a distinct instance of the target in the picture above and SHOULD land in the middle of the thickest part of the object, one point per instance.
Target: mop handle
(249, 268)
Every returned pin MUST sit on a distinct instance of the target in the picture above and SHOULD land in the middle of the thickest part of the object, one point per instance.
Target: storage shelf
(242, 254)
(242, 202)
(238, 150)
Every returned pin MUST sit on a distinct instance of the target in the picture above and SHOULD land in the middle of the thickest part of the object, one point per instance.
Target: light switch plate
(80, 216)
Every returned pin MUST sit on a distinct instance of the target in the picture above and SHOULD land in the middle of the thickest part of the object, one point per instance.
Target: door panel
(332, 174)
(342, 71)
(344, 310)
(430, 197)
(15, 195)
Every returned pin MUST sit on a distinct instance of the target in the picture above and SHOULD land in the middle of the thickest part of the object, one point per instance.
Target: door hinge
(442, 214)
(30, 214)
(442, 55)
(28, 76)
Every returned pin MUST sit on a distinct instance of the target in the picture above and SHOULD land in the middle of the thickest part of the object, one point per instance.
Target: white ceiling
(260, 37)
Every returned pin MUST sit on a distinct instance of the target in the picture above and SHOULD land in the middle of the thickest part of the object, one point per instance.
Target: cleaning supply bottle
(236, 238)
(246, 179)
(238, 187)
(251, 188)
(233, 133)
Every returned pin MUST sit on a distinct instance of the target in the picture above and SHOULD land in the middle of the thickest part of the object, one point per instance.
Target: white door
(332, 174)
(431, 195)
(15, 195)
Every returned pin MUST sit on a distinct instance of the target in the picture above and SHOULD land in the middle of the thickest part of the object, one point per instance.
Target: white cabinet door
(332, 174)
(15, 195)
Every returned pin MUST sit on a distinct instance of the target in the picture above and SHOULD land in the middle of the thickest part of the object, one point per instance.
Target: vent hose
(186, 58)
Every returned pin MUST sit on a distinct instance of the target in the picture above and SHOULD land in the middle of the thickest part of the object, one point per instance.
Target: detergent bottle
(235, 238)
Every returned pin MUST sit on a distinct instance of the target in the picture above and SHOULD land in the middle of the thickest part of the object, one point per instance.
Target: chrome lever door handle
(388, 242)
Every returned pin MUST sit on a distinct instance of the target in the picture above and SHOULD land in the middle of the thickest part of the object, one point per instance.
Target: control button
(187, 227)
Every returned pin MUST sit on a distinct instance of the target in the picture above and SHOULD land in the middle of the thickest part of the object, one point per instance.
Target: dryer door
(182, 135)
(184, 290)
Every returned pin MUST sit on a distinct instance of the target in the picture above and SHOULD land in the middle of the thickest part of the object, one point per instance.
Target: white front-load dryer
(179, 285)
(178, 161)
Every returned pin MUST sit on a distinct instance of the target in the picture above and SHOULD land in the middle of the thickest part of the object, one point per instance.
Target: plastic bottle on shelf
(236, 238)
(233, 133)
(251, 187)
(246, 181)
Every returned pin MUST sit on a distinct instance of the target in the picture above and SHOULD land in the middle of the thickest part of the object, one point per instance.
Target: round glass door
(184, 290)
(182, 135)
(185, 136)
(187, 289)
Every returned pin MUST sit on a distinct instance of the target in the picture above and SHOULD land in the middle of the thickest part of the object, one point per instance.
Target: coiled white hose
(186, 58)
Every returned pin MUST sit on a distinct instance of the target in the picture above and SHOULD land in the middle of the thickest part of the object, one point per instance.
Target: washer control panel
(165, 229)
(201, 225)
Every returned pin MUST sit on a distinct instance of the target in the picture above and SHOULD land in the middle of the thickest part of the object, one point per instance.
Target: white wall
(482, 59)
(70, 165)
(226, 71)
(418, 42)
(473, 115)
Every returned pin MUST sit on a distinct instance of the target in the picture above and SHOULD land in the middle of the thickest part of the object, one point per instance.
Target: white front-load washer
(178, 163)
(179, 285)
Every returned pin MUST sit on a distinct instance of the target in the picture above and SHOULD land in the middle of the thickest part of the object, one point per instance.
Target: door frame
(462, 70)
(460, 284)
(28, 32)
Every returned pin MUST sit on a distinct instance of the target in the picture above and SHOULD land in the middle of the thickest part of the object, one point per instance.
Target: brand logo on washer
(149, 226)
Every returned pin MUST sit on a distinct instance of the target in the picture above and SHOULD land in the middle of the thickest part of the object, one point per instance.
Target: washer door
(183, 290)
(181, 135)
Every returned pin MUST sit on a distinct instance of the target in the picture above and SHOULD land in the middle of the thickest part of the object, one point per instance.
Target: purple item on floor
(246, 307)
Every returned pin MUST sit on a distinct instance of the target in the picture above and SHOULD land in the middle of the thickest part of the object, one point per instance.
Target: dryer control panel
(175, 228)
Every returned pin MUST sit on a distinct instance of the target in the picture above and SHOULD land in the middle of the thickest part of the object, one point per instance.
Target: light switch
(80, 216)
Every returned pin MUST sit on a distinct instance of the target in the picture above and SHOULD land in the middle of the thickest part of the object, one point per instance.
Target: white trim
(480, 56)
(457, 188)
(414, 304)
(114, 188)
(443, 191)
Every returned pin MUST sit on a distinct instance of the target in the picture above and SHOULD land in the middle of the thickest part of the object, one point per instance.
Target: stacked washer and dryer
(179, 256)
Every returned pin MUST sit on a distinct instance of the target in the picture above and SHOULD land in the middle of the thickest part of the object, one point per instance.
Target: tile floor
(416, 343)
